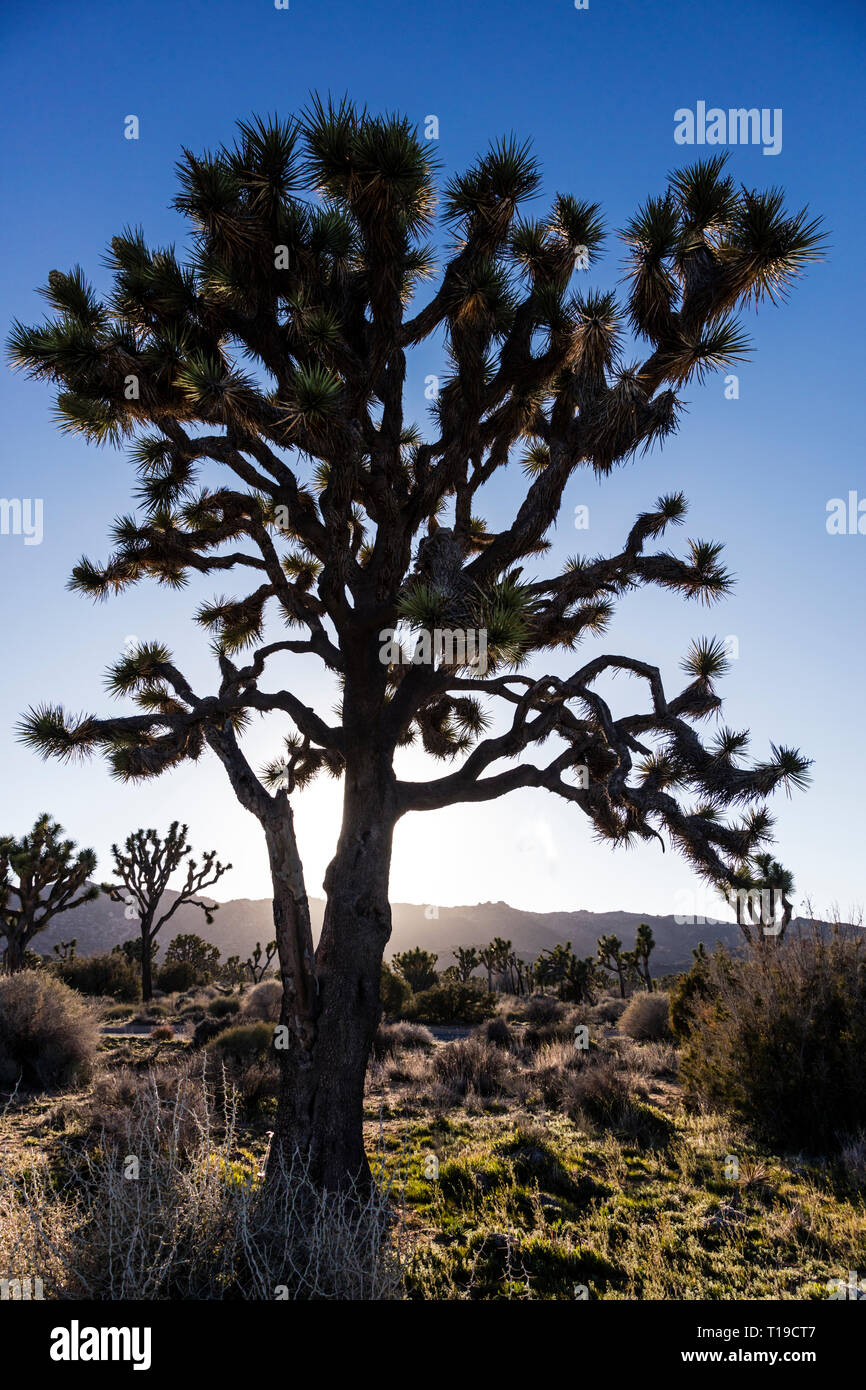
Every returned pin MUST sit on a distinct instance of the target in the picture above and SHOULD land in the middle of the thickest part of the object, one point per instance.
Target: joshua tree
(763, 887)
(488, 957)
(418, 968)
(468, 959)
(254, 963)
(574, 977)
(40, 877)
(612, 957)
(644, 945)
(305, 475)
(144, 866)
(190, 949)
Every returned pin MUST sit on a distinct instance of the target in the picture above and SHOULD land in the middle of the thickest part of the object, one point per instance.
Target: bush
(206, 1029)
(198, 1224)
(780, 1039)
(243, 1042)
(392, 1038)
(453, 1003)
(48, 1033)
(646, 1018)
(265, 1001)
(470, 1064)
(543, 1008)
(497, 1032)
(395, 993)
(164, 1033)
(111, 975)
(686, 991)
(226, 1004)
(176, 976)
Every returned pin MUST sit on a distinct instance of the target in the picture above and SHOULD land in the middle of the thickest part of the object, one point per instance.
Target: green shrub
(177, 976)
(226, 1004)
(395, 993)
(686, 991)
(244, 1042)
(780, 1037)
(453, 1002)
(111, 976)
(48, 1033)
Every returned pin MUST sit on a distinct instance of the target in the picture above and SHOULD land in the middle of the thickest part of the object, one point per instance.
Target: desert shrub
(453, 1003)
(157, 1011)
(209, 1028)
(243, 1041)
(599, 1090)
(608, 1010)
(198, 1223)
(543, 1008)
(164, 1033)
(226, 1004)
(780, 1040)
(470, 1064)
(118, 1012)
(395, 992)
(176, 976)
(48, 1033)
(264, 1002)
(646, 1018)
(686, 991)
(497, 1032)
(109, 975)
(392, 1038)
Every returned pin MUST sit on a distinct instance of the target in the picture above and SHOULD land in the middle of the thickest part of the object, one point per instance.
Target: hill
(241, 922)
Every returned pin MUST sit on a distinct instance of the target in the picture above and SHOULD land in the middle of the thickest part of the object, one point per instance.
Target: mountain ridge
(240, 922)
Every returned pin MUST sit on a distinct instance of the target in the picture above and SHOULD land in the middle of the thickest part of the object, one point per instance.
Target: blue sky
(596, 90)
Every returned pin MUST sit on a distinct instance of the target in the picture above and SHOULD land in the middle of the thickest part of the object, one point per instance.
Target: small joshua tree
(612, 957)
(418, 968)
(644, 944)
(467, 959)
(254, 963)
(40, 877)
(144, 866)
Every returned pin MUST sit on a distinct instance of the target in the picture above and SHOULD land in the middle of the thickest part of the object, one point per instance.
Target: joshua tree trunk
(320, 1109)
(15, 948)
(146, 964)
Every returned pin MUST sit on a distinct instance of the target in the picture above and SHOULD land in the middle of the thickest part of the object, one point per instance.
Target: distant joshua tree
(256, 964)
(144, 866)
(468, 960)
(612, 957)
(418, 968)
(40, 877)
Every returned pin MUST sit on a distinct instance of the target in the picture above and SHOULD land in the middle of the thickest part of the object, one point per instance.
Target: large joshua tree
(307, 262)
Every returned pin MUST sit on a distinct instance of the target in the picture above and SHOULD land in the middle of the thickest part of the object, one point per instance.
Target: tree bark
(320, 1110)
(146, 965)
(15, 948)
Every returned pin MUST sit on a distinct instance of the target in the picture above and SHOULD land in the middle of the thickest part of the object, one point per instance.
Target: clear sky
(596, 90)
